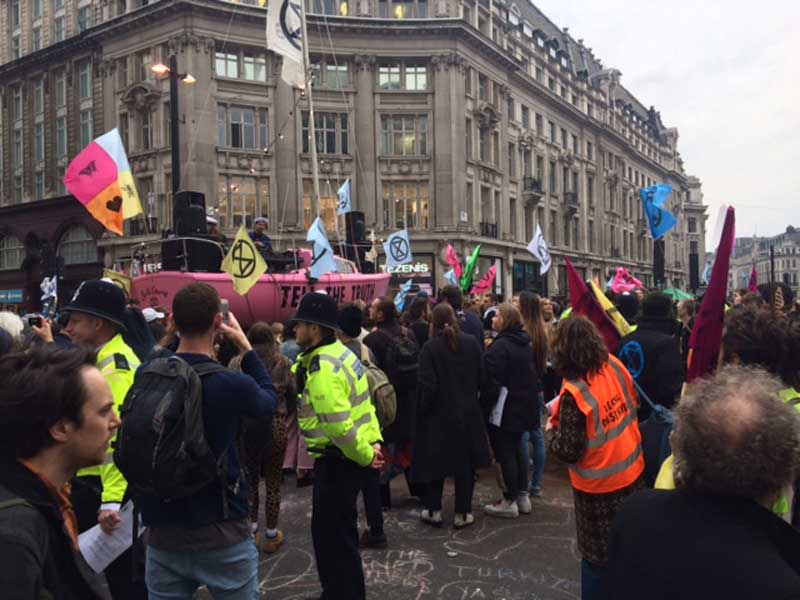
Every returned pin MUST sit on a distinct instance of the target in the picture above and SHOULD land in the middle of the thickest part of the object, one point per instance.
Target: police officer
(341, 430)
(96, 320)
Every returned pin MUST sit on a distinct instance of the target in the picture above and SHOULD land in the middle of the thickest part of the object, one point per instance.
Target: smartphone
(225, 307)
(35, 321)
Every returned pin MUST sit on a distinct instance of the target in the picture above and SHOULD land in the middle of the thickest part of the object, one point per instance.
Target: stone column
(449, 130)
(365, 122)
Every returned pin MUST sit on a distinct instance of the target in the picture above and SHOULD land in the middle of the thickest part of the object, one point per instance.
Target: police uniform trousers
(334, 527)
(125, 575)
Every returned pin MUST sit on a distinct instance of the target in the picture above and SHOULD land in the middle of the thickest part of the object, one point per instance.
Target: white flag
(538, 248)
(285, 36)
(345, 201)
(397, 249)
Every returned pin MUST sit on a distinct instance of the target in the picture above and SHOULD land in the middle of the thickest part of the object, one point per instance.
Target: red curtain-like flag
(584, 303)
(706, 338)
(486, 283)
(454, 261)
(753, 284)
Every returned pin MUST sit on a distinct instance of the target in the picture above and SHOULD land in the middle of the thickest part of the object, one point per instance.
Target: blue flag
(322, 261)
(400, 299)
(661, 220)
(451, 278)
(345, 201)
(397, 249)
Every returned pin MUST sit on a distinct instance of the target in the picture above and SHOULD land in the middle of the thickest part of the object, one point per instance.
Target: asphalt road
(534, 557)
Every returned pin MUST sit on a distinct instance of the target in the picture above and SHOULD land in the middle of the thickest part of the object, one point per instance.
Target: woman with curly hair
(594, 429)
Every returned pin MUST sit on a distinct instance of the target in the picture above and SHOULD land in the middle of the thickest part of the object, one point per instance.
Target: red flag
(453, 260)
(584, 303)
(753, 285)
(706, 338)
(486, 283)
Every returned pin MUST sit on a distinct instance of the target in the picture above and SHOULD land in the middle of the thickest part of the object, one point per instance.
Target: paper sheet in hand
(99, 549)
(496, 417)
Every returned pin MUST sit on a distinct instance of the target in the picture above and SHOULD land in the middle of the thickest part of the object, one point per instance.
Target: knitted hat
(628, 306)
(350, 320)
(657, 306)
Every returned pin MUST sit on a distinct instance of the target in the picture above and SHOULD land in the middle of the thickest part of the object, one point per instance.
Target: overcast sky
(725, 74)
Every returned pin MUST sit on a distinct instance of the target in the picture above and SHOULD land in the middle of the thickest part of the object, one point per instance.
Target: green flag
(466, 279)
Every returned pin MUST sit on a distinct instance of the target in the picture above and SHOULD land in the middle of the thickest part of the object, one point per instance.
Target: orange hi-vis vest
(613, 459)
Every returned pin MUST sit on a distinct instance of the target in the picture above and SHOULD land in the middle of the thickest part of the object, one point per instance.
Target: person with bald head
(736, 446)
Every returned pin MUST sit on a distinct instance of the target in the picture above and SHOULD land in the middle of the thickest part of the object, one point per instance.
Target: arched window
(11, 253)
(77, 246)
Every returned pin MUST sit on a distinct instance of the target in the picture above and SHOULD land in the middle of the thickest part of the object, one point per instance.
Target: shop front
(526, 278)
(422, 271)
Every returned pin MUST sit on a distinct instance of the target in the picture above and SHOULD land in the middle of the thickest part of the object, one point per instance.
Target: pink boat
(276, 295)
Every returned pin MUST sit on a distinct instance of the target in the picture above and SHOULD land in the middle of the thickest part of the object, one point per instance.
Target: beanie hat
(350, 320)
(657, 306)
(628, 306)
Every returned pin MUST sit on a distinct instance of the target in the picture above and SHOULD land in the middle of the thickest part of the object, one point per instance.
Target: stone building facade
(750, 251)
(465, 121)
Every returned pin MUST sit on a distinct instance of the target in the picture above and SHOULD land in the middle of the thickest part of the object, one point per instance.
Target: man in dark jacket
(470, 323)
(652, 354)
(195, 541)
(736, 448)
(56, 416)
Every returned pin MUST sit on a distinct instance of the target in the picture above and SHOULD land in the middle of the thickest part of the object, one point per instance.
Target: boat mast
(312, 130)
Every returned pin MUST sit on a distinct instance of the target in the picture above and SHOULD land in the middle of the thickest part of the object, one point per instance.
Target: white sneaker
(461, 521)
(524, 503)
(431, 517)
(506, 509)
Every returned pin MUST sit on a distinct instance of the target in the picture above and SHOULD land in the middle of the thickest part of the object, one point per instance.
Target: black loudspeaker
(189, 213)
(355, 226)
(194, 255)
(694, 271)
(659, 248)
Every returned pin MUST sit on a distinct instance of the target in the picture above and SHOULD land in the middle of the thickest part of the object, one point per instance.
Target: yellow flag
(119, 279)
(619, 321)
(244, 263)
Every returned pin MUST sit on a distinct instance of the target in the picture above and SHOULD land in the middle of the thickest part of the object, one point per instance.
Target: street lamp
(171, 71)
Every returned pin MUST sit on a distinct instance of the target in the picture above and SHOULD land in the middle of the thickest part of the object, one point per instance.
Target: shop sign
(11, 297)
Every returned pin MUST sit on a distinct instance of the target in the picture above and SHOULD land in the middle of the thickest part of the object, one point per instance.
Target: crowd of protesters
(347, 398)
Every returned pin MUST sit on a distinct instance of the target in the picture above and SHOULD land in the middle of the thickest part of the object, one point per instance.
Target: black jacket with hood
(509, 363)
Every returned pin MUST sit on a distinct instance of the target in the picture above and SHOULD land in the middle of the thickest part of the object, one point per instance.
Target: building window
(38, 97)
(553, 136)
(331, 130)
(328, 203)
(511, 109)
(411, 77)
(85, 80)
(483, 87)
(77, 247)
(38, 184)
(85, 127)
(404, 135)
(36, 8)
(255, 67)
(575, 143)
(84, 18)
(58, 29)
(237, 127)
(589, 151)
(16, 48)
(61, 137)
(553, 227)
(552, 178)
(12, 252)
(403, 9)
(468, 81)
(692, 225)
(61, 89)
(468, 139)
(239, 200)
(590, 236)
(146, 131)
(329, 75)
(37, 38)
(18, 189)
(405, 204)
(551, 83)
(526, 117)
(590, 189)
(227, 64)
(17, 157)
(124, 129)
(15, 14)
(57, 4)
(38, 142)
(61, 172)
(563, 138)
(539, 125)
(512, 160)
(540, 74)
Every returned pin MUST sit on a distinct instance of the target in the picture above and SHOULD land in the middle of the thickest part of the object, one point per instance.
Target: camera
(35, 321)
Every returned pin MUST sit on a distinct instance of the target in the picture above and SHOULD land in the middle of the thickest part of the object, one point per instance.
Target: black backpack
(402, 361)
(161, 447)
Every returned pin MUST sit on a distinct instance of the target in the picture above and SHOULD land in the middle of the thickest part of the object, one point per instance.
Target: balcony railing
(571, 199)
(489, 230)
(532, 185)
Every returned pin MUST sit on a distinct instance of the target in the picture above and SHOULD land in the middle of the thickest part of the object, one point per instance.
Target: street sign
(11, 296)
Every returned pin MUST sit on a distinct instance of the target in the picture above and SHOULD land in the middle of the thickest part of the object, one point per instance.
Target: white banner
(538, 248)
(285, 36)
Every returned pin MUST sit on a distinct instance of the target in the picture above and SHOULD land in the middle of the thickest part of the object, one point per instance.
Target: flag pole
(312, 130)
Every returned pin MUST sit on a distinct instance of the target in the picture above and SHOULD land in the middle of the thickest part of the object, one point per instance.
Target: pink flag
(706, 338)
(486, 283)
(753, 284)
(453, 261)
(625, 282)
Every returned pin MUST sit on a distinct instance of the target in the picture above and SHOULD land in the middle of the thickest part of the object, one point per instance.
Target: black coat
(378, 341)
(449, 424)
(677, 544)
(509, 363)
(36, 553)
(653, 357)
(470, 324)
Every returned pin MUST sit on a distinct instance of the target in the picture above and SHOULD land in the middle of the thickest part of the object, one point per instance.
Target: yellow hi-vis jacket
(334, 407)
(118, 364)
